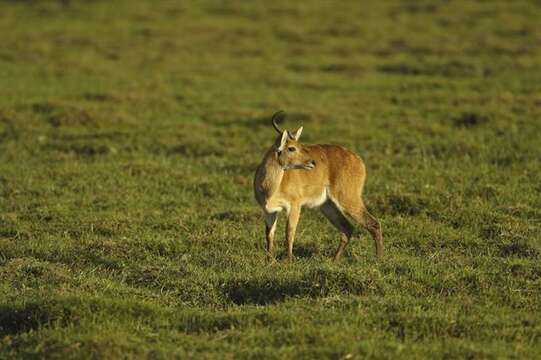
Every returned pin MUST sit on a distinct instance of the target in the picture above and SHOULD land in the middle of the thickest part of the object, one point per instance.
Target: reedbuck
(293, 175)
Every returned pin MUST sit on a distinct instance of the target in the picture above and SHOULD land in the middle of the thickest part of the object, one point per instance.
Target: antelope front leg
(292, 221)
(270, 227)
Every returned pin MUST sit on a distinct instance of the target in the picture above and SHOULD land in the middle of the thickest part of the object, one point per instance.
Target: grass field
(130, 132)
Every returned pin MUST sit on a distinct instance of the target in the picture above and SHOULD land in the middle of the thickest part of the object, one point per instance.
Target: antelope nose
(313, 162)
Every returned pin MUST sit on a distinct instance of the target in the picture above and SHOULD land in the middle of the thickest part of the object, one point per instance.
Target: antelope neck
(273, 175)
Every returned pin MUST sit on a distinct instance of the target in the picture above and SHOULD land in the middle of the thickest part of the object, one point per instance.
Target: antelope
(330, 177)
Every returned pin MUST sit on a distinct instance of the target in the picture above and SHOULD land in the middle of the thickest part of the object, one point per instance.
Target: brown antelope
(293, 175)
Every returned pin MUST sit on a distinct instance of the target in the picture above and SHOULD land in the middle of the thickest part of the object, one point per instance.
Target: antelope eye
(291, 149)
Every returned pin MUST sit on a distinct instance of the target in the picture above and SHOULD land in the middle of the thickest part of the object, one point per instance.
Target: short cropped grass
(130, 132)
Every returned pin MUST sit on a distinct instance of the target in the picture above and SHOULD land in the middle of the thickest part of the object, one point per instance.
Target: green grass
(130, 132)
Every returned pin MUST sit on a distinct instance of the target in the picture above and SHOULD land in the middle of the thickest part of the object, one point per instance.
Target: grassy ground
(130, 132)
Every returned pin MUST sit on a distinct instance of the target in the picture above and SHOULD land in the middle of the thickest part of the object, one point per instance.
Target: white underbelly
(316, 201)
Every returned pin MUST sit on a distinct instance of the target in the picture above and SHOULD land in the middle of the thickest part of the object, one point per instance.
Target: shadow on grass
(306, 251)
(314, 284)
(17, 319)
(61, 312)
(469, 120)
(334, 68)
(7, 129)
(401, 204)
(452, 69)
(263, 291)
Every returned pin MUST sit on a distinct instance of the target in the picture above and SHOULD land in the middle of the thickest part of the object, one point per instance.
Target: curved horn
(278, 115)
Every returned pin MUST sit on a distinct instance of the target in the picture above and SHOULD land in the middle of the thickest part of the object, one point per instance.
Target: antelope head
(288, 151)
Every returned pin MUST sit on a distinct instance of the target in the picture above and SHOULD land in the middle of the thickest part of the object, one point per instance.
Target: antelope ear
(283, 140)
(298, 134)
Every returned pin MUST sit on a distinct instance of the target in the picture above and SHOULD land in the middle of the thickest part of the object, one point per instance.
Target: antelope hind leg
(337, 218)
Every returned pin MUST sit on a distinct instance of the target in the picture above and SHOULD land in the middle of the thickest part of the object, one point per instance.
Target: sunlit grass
(130, 132)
